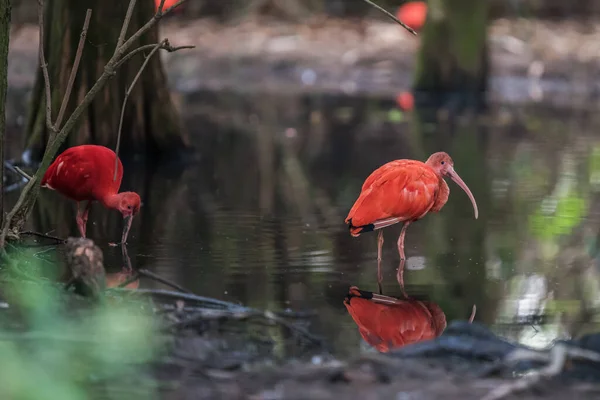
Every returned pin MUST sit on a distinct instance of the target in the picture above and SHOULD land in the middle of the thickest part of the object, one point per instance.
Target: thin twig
(123, 32)
(473, 312)
(74, 69)
(22, 173)
(5, 12)
(151, 275)
(43, 235)
(44, 66)
(168, 10)
(129, 280)
(135, 79)
(161, 5)
(190, 297)
(17, 170)
(383, 10)
(168, 48)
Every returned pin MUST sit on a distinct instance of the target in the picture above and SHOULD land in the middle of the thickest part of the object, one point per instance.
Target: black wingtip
(357, 230)
(361, 294)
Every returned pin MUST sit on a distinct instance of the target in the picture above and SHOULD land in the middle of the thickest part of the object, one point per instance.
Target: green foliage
(594, 168)
(395, 116)
(567, 215)
(56, 345)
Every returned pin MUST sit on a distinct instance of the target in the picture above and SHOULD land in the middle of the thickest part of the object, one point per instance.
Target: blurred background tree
(151, 124)
(452, 64)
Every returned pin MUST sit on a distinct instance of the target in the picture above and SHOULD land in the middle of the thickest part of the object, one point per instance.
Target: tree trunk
(151, 125)
(452, 64)
(5, 9)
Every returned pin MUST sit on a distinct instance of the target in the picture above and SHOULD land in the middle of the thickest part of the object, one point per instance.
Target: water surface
(259, 218)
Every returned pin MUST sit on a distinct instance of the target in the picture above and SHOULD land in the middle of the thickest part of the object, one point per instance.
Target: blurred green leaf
(55, 345)
(395, 116)
(569, 212)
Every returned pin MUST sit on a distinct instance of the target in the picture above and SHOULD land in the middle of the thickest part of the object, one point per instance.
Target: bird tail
(382, 223)
(357, 230)
(376, 298)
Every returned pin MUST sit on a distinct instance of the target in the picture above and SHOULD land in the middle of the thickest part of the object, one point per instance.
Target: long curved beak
(126, 227)
(464, 187)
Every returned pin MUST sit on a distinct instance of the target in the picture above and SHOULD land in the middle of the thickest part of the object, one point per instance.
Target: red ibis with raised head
(85, 173)
(402, 191)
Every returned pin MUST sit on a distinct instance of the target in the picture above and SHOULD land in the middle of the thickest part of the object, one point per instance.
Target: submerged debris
(86, 264)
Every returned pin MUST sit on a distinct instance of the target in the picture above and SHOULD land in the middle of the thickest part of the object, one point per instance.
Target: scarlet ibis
(406, 101)
(387, 323)
(413, 14)
(402, 191)
(85, 173)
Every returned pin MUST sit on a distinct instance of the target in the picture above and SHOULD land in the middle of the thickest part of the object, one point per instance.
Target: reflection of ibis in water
(387, 323)
(402, 191)
(126, 274)
(86, 173)
(115, 279)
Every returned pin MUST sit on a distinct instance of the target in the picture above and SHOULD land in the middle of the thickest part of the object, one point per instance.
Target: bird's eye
(129, 207)
(443, 162)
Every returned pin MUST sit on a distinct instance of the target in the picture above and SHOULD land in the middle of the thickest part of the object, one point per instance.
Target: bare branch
(161, 5)
(121, 39)
(45, 68)
(17, 217)
(383, 10)
(65, 101)
(135, 79)
(22, 173)
(160, 13)
(5, 14)
(166, 47)
(109, 71)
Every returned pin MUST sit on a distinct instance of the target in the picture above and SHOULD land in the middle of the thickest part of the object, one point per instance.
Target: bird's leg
(82, 217)
(79, 218)
(401, 240)
(86, 212)
(400, 273)
(400, 277)
(379, 248)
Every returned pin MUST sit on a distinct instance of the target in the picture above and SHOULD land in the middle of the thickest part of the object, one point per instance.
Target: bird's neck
(111, 201)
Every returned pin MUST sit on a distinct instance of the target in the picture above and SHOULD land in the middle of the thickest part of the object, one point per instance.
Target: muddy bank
(531, 60)
(466, 362)
(211, 348)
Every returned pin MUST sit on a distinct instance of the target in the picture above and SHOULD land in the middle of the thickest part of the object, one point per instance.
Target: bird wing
(84, 173)
(71, 173)
(403, 189)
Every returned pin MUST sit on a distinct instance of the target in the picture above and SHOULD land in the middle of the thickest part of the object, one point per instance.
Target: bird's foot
(380, 288)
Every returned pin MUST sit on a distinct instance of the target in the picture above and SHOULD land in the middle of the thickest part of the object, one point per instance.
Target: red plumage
(85, 173)
(402, 191)
(387, 323)
(416, 189)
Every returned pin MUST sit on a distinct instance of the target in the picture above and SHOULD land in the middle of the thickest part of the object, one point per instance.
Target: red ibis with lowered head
(85, 173)
(403, 191)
